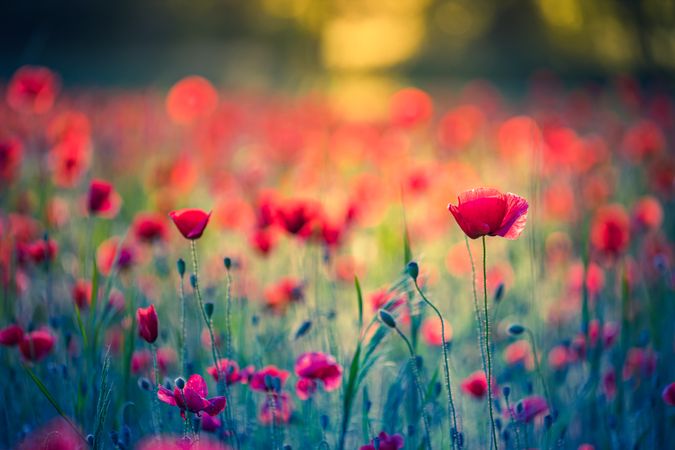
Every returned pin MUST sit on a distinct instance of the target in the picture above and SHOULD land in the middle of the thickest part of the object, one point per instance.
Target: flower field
(199, 267)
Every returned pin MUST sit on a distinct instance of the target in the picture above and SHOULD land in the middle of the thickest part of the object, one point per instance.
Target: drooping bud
(499, 293)
(227, 262)
(387, 318)
(413, 270)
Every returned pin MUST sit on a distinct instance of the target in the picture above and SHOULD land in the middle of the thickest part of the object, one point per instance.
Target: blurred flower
(263, 240)
(149, 227)
(168, 442)
(639, 363)
(476, 384)
(82, 293)
(609, 383)
(37, 344)
(385, 442)
(191, 99)
(318, 366)
(192, 398)
(305, 388)
(431, 331)
(11, 335)
(459, 127)
(141, 361)
(410, 107)
(282, 294)
(668, 394)
(648, 213)
(57, 434)
(610, 230)
(190, 222)
(102, 200)
(11, 153)
(41, 250)
(530, 408)
(259, 379)
(299, 217)
(595, 278)
(112, 253)
(32, 89)
(210, 423)
(166, 357)
(486, 211)
(69, 159)
(559, 357)
(229, 368)
(147, 323)
(519, 353)
(643, 140)
(282, 409)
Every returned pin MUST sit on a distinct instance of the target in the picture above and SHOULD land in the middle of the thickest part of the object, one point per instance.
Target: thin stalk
(451, 406)
(228, 316)
(416, 376)
(271, 403)
(487, 347)
(476, 310)
(222, 384)
(183, 328)
(537, 366)
(155, 401)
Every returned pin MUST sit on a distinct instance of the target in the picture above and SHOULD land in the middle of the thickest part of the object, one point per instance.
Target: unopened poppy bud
(303, 329)
(90, 439)
(506, 390)
(276, 384)
(227, 262)
(499, 293)
(144, 384)
(180, 383)
(208, 309)
(324, 420)
(498, 423)
(180, 265)
(193, 280)
(387, 318)
(268, 382)
(413, 270)
(516, 329)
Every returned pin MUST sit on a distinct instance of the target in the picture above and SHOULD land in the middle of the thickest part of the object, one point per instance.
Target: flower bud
(180, 265)
(303, 329)
(499, 293)
(516, 329)
(227, 262)
(387, 318)
(180, 383)
(413, 270)
(208, 309)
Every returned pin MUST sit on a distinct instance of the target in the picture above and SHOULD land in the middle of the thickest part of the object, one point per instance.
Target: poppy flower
(141, 361)
(559, 357)
(258, 381)
(32, 89)
(147, 323)
(68, 161)
(11, 335)
(149, 227)
(609, 383)
(530, 408)
(643, 140)
(82, 293)
(488, 212)
(431, 331)
(192, 398)
(10, 159)
(229, 368)
(57, 434)
(169, 442)
(102, 200)
(305, 388)
(210, 423)
(668, 394)
(385, 442)
(648, 213)
(610, 230)
(640, 362)
(112, 253)
(41, 250)
(319, 366)
(190, 222)
(285, 292)
(410, 107)
(476, 385)
(166, 357)
(299, 217)
(459, 127)
(282, 409)
(263, 241)
(37, 344)
(191, 99)
(519, 353)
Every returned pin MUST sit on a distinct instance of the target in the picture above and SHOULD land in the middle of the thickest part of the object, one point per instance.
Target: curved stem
(487, 347)
(416, 376)
(451, 406)
(183, 326)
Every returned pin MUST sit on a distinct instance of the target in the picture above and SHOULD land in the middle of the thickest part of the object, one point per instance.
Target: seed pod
(499, 293)
(303, 329)
(193, 281)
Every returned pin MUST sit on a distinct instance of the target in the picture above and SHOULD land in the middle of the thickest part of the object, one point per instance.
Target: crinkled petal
(514, 221)
(166, 396)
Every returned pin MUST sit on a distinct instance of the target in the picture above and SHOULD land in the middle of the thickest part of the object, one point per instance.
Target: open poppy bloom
(259, 380)
(147, 323)
(37, 344)
(530, 408)
(229, 368)
(299, 217)
(610, 231)
(10, 159)
(192, 398)
(102, 200)
(313, 366)
(476, 384)
(488, 212)
(190, 222)
(385, 442)
(82, 291)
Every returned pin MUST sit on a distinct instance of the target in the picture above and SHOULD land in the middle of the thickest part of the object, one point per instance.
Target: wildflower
(559, 357)
(259, 380)
(317, 366)
(519, 353)
(648, 213)
(147, 323)
(192, 397)
(229, 368)
(11, 335)
(190, 222)
(102, 200)
(383, 441)
(488, 212)
(191, 99)
(431, 331)
(149, 227)
(82, 292)
(668, 394)
(299, 217)
(36, 345)
(610, 230)
(41, 250)
(475, 384)
(11, 153)
(530, 408)
(286, 291)
(410, 107)
(57, 434)
(32, 89)
(282, 409)
(112, 253)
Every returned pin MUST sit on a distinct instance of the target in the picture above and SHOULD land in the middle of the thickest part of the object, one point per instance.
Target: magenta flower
(488, 212)
(313, 366)
(385, 442)
(530, 407)
(192, 398)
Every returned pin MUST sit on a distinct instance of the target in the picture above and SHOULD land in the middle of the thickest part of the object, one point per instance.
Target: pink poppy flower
(257, 381)
(530, 408)
(32, 89)
(488, 212)
(147, 323)
(431, 331)
(227, 367)
(282, 409)
(476, 385)
(11, 335)
(36, 345)
(318, 366)
(385, 442)
(192, 398)
(102, 200)
(190, 222)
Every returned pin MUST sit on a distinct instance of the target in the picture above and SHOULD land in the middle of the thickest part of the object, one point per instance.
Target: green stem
(183, 327)
(537, 366)
(416, 376)
(487, 347)
(228, 315)
(451, 406)
(476, 310)
(155, 402)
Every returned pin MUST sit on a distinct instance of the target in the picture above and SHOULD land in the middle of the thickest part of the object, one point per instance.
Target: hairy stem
(487, 347)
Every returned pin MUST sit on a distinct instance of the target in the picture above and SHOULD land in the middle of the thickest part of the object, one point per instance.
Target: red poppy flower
(648, 213)
(459, 127)
(11, 335)
(410, 108)
(147, 323)
(299, 217)
(282, 409)
(82, 293)
(68, 161)
(385, 442)
(192, 398)
(305, 388)
(102, 200)
(41, 250)
(149, 227)
(190, 222)
(530, 408)
(32, 89)
(285, 292)
(191, 99)
(488, 212)
(37, 344)
(113, 253)
(559, 357)
(263, 240)
(431, 331)
(141, 361)
(475, 384)
(257, 382)
(319, 366)
(643, 140)
(10, 159)
(229, 368)
(610, 231)
(519, 353)
(668, 394)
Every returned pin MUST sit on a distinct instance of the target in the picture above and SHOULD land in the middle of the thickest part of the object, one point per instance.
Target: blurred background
(350, 45)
